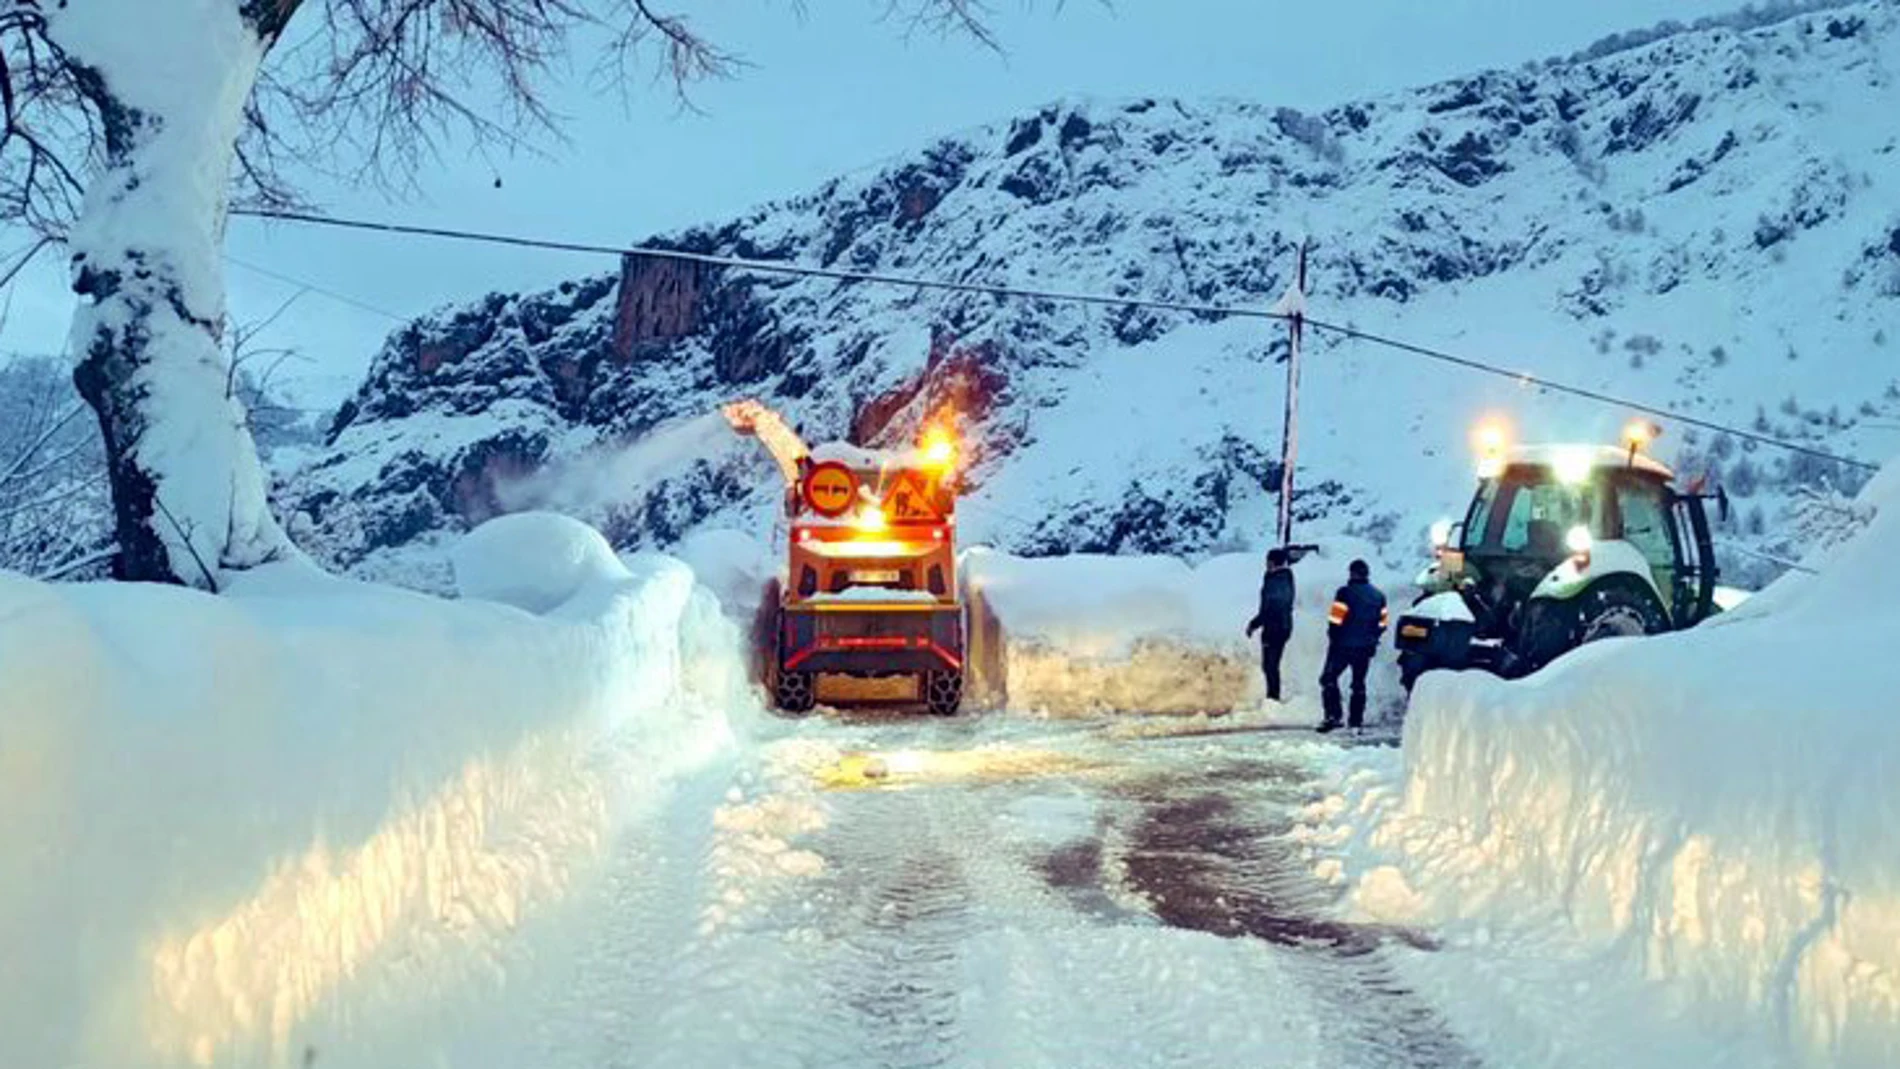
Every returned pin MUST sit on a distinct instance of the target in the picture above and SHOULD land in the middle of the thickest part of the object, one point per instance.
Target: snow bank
(1079, 635)
(733, 565)
(1716, 811)
(532, 560)
(309, 815)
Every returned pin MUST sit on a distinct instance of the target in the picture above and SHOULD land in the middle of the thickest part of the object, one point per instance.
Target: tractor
(867, 608)
(1562, 545)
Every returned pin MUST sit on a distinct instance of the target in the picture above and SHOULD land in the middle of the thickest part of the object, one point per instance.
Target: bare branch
(78, 561)
(53, 483)
(969, 17)
(376, 89)
(32, 448)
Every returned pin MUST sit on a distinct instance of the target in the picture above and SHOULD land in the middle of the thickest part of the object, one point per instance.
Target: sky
(840, 88)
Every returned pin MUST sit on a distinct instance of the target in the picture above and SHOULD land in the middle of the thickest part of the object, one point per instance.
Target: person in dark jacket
(1274, 621)
(1358, 621)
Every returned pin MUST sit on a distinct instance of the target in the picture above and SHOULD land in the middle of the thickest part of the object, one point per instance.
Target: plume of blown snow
(609, 475)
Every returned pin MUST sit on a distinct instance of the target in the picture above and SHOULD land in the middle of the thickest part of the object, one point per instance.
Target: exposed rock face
(1701, 221)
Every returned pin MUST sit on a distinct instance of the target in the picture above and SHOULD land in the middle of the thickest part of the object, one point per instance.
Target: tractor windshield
(1528, 512)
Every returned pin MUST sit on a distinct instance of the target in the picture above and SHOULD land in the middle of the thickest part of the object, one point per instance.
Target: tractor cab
(1561, 545)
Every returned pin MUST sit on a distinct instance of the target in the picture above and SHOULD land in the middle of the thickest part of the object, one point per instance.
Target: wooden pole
(1293, 306)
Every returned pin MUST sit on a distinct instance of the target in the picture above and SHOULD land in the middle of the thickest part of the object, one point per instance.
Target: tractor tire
(1547, 630)
(1617, 610)
(1411, 666)
(943, 692)
(794, 693)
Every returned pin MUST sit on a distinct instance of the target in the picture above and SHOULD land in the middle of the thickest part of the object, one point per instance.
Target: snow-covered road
(1000, 892)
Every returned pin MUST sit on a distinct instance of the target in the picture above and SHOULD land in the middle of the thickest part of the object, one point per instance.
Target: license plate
(1414, 631)
(875, 578)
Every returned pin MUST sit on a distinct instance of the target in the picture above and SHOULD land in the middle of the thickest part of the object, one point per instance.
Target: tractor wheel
(1616, 610)
(943, 692)
(794, 692)
(1547, 630)
(1411, 666)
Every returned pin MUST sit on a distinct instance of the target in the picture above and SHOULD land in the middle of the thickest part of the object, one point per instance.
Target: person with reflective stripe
(1357, 623)
(1274, 621)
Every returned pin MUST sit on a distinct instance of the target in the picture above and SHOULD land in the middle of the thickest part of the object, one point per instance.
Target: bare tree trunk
(170, 79)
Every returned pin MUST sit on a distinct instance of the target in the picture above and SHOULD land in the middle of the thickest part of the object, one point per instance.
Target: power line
(341, 298)
(1587, 394)
(1018, 292)
(759, 266)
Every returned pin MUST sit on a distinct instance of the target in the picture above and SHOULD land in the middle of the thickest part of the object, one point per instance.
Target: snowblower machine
(867, 608)
(1562, 545)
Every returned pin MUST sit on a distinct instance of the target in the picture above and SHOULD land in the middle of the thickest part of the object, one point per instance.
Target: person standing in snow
(1358, 622)
(1274, 621)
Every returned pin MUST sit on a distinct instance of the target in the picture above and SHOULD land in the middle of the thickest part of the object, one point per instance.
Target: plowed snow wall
(1720, 808)
(306, 815)
(1081, 635)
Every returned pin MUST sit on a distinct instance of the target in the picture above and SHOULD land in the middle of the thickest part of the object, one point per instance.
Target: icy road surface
(995, 893)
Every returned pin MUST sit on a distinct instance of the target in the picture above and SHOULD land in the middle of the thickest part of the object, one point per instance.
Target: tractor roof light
(1490, 438)
(1639, 433)
(1573, 464)
(870, 520)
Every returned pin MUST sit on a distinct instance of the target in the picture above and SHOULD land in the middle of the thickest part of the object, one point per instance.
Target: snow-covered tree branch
(127, 125)
(53, 498)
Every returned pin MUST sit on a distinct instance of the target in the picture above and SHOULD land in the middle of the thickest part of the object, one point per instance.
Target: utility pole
(1293, 306)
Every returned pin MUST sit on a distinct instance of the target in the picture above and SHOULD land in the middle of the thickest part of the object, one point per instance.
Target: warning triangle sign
(911, 499)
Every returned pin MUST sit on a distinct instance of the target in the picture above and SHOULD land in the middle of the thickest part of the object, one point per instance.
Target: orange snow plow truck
(867, 608)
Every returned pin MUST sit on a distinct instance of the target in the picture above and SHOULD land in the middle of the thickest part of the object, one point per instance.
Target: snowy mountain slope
(1705, 222)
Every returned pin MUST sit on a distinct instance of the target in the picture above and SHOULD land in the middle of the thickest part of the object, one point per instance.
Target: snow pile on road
(317, 816)
(1085, 634)
(1715, 811)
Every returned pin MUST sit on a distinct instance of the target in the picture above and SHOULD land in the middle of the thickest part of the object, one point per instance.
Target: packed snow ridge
(1702, 222)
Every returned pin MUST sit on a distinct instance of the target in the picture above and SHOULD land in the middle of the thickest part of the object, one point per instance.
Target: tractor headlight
(1579, 542)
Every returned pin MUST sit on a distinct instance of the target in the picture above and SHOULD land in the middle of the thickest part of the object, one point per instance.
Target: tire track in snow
(899, 907)
(1209, 863)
